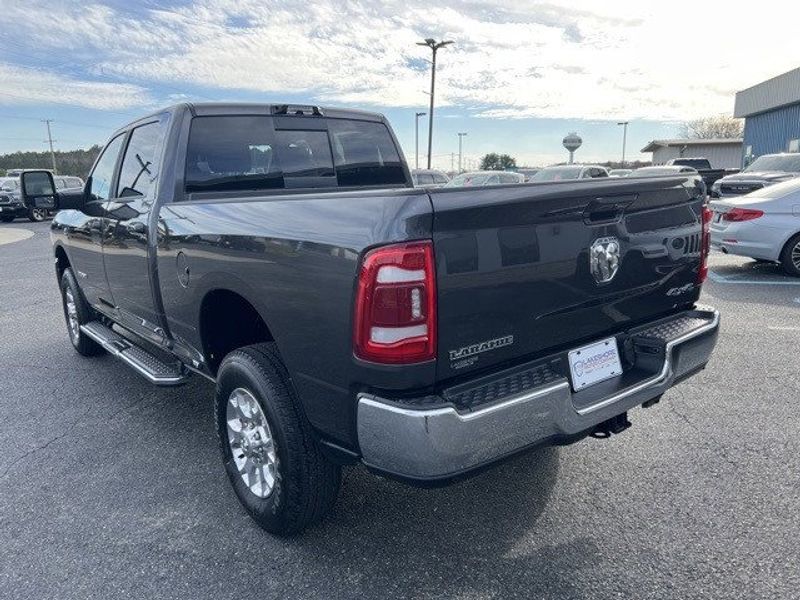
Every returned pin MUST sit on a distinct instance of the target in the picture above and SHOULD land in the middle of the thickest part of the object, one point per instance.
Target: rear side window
(138, 172)
(240, 153)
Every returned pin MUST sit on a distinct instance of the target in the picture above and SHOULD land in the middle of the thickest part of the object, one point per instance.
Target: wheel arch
(228, 319)
(61, 259)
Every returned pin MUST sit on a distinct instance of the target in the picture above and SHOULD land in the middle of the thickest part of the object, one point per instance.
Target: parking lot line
(717, 278)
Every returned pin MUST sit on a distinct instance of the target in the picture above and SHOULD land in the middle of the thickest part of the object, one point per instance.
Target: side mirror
(38, 190)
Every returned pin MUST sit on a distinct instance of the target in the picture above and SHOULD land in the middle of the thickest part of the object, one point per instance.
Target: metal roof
(656, 144)
(767, 95)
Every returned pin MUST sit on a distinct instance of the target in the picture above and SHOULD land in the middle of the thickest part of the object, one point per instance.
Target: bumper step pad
(145, 363)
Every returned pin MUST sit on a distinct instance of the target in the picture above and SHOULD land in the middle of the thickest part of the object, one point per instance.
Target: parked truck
(282, 253)
(703, 166)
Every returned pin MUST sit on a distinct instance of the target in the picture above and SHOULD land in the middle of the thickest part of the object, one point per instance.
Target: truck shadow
(446, 541)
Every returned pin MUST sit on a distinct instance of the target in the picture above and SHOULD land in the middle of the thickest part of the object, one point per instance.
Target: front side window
(138, 172)
(103, 171)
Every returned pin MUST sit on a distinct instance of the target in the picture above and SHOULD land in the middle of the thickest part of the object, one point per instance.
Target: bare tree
(717, 127)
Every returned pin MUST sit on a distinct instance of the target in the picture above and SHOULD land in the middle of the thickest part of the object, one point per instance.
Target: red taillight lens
(742, 214)
(395, 320)
(705, 244)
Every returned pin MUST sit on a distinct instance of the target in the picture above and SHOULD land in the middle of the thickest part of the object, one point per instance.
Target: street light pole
(624, 139)
(416, 137)
(460, 138)
(434, 46)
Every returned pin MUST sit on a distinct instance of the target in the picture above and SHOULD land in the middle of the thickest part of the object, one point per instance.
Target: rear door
(515, 270)
(126, 250)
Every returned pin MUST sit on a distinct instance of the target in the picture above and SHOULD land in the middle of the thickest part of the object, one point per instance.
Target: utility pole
(434, 46)
(624, 139)
(50, 141)
(416, 138)
(460, 138)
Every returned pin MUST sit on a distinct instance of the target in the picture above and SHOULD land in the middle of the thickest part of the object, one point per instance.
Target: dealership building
(771, 113)
(721, 153)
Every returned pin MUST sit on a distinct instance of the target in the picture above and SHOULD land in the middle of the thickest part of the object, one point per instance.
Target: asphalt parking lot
(110, 488)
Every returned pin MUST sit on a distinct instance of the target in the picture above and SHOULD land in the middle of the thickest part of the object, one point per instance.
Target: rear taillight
(742, 214)
(705, 244)
(395, 313)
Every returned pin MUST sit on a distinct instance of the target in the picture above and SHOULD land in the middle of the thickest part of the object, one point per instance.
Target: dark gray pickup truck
(282, 253)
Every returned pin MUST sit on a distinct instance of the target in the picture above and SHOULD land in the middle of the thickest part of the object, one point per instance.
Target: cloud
(30, 86)
(557, 59)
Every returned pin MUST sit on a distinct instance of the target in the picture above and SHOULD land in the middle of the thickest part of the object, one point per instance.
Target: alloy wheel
(796, 256)
(72, 316)
(251, 443)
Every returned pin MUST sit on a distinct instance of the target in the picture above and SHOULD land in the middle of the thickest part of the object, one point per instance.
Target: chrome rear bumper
(405, 439)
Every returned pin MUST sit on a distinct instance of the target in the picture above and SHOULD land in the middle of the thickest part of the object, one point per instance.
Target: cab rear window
(239, 153)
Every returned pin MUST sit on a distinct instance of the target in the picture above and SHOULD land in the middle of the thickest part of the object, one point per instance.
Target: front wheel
(37, 215)
(273, 462)
(790, 256)
(77, 312)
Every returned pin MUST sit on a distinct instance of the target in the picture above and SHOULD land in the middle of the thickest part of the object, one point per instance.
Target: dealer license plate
(594, 363)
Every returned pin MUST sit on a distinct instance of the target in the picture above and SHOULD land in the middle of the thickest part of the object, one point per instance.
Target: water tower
(572, 142)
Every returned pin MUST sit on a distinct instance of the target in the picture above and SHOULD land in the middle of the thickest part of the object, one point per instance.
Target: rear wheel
(790, 256)
(273, 462)
(77, 312)
(37, 214)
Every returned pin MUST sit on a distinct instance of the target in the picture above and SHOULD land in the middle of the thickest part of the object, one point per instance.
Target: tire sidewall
(68, 283)
(83, 345)
(239, 372)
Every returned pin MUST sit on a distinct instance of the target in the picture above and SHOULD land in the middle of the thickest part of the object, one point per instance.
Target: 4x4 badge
(604, 259)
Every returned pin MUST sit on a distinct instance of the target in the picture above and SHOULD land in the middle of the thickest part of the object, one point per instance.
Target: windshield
(557, 174)
(468, 179)
(789, 163)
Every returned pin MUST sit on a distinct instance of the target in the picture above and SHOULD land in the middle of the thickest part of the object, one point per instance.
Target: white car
(482, 178)
(567, 172)
(764, 225)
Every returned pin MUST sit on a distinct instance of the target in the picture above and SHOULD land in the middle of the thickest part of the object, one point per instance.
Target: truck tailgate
(514, 271)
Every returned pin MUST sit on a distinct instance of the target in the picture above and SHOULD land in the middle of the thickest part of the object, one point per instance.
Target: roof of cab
(253, 108)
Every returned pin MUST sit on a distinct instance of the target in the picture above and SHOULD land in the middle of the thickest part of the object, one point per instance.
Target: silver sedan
(764, 225)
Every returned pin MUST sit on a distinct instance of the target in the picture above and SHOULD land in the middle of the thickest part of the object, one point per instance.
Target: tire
(81, 312)
(792, 248)
(7, 218)
(304, 484)
(37, 215)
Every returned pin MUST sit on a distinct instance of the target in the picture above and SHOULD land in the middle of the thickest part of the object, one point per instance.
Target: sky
(518, 77)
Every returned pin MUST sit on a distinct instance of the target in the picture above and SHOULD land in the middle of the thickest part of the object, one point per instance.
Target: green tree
(497, 162)
(70, 162)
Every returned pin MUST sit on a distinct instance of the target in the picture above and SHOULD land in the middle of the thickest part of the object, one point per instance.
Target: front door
(126, 249)
(84, 230)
